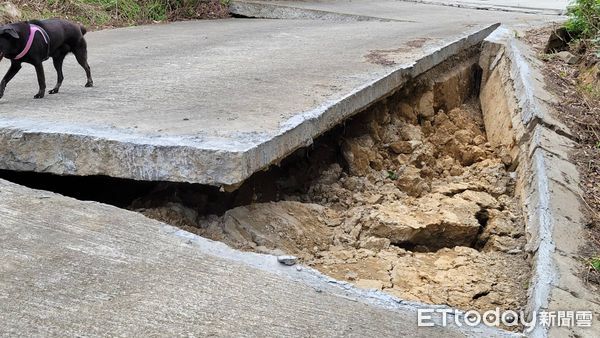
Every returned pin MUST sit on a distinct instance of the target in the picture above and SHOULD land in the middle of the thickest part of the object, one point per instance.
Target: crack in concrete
(277, 11)
(492, 7)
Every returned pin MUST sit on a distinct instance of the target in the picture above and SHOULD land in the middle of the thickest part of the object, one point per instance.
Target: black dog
(35, 41)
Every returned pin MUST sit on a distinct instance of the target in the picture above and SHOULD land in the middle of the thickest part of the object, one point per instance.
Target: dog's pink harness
(32, 30)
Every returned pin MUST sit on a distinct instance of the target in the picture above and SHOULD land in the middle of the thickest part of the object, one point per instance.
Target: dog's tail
(83, 30)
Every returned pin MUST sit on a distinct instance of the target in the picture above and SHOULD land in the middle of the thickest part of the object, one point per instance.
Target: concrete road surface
(525, 6)
(214, 101)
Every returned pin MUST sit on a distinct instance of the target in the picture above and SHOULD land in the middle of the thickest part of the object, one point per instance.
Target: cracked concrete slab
(212, 102)
(73, 268)
(555, 225)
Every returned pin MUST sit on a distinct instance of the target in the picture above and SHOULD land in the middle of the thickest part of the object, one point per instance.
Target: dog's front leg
(39, 70)
(15, 66)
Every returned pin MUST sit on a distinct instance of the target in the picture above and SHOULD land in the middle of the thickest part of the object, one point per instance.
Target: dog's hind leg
(15, 66)
(81, 55)
(39, 70)
(58, 62)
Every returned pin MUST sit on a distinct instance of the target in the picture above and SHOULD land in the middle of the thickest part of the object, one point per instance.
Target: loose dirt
(407, 197)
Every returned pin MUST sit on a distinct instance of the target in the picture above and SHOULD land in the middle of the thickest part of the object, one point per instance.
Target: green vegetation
(584, 19)
(595, 263)
(392, 175)
(591, 90)
(102, 13)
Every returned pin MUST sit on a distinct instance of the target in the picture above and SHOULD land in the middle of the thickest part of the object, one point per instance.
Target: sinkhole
(412, 196)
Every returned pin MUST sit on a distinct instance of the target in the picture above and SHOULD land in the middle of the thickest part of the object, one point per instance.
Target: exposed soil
(578, 86)
(407, 197)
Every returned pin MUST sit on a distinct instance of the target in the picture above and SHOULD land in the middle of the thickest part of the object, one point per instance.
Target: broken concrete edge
(549, 182)
(263, 10)
(323, 283)
(79, 152)
(196, 160)
(182, 240)
(300, 130)
(534, 101)
(492, 7)
(539, 225)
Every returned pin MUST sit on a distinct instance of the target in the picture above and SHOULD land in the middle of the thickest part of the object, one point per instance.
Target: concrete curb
(551, 193)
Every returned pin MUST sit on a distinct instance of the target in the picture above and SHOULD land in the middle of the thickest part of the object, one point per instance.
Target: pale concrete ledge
(219, 117)
(549, 183)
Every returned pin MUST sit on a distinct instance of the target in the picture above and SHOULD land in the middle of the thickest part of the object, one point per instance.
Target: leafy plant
(584, 19)
(392, 175)
(595, 263)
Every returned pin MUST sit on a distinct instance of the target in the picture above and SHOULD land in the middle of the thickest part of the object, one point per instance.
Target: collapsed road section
(407, 196)
(417, 184)
(238, 98)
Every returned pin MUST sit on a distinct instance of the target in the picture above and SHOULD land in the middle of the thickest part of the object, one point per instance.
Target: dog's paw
(39, 96)
(53, 91)
(89, 84)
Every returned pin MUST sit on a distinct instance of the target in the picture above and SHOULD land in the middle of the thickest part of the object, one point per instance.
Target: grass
(114, 13)
(595, 263)
(591, 90)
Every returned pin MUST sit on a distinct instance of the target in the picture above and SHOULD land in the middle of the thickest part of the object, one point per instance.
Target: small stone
(426, 105)
(482, 199)
(456, 170)
(407, 112)
(464, 136)
(411, 183)
(507, 160)
(333, 222)
(9, 12)
(557, 41)
(369, 284)
(374, 199)
(568, 57)
(411, 132)
(401, 147)
(479, 140)
(287, 260)
(375, 243)
(351, 276)
(298, 268)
